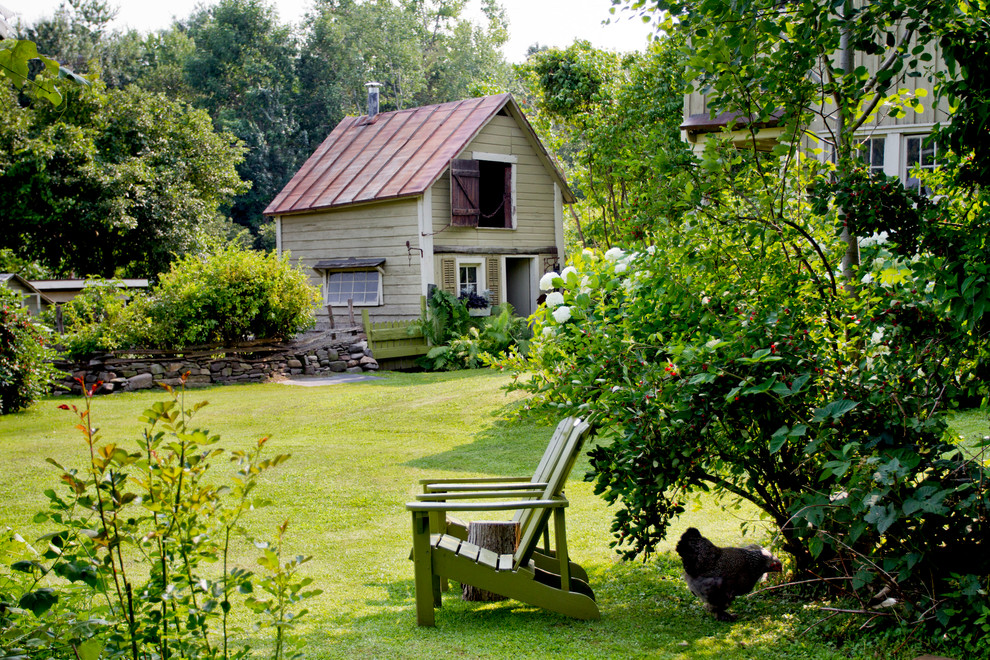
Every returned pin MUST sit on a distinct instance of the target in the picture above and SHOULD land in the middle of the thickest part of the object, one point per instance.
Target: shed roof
(396, 154)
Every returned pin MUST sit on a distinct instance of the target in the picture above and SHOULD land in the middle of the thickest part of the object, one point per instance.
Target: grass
(358, 451)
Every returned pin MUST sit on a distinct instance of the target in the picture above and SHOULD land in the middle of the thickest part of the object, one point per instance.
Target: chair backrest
(532, 521)
(552, 455)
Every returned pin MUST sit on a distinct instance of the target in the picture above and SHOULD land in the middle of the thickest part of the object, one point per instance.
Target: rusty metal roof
(705, 123)
(395, 154)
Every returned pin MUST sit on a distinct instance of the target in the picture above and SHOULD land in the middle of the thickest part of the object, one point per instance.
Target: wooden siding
(534, 194)
(695, 102)
(371, 230)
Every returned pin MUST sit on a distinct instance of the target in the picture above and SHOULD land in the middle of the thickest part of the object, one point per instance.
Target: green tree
(242, 71)
(729, 357)
(615, 121)
(117, 183)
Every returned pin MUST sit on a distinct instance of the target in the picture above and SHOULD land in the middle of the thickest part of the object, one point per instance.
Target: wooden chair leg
(427, 584)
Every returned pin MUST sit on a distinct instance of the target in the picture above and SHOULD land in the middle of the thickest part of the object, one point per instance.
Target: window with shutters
(481, 194)
(468, 279)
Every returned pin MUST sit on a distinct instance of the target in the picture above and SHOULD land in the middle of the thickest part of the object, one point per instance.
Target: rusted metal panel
(395, 154)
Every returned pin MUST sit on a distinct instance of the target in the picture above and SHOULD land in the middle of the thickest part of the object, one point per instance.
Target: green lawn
(358, 451)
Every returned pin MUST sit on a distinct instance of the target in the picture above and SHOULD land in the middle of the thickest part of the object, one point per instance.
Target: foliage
(615, 122)
(446, 317)
(489, 336)
(231, 295)
(474, 301)
(16, 56)
(26, 372)
(102, 318)
(35, 614)
(149, 535)
(720, 365)
(127, 179)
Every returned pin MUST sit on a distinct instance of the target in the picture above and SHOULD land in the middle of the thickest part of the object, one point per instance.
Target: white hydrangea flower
(562, 314)
(548, 331)
(546, 282)
(585, 285)
(567, 271)
(615, 254)
(621, 268)
(554, 299)
(587, 252)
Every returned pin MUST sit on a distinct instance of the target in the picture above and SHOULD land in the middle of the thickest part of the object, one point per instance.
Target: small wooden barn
(33, 300)
(460, 195)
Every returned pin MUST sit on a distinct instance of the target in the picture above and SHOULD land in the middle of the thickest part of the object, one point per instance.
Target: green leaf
(91, 649)
(834, 410)
(38, 601)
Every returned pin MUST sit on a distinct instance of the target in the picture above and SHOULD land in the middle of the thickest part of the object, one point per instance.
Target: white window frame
(479, 266)
(906, 167)
(326, 286)
(512, 161)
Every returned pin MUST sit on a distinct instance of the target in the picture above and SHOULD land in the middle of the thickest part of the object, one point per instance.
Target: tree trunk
(501, 537)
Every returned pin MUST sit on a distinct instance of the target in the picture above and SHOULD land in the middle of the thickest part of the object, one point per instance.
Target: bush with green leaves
(231, 295)
(143, 545)
(103, 317)
(26, 370)
(721, 362)
(485, 337)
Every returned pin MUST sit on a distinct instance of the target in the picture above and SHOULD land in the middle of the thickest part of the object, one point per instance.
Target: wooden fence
(395, 339)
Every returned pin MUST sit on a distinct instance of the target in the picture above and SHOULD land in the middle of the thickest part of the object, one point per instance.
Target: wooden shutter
(507, 197)
(465, 193)
(493, 279)
(448, 273)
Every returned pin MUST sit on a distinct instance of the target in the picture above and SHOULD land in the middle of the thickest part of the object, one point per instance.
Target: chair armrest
(426, 507)
(471, 480)
(531, 493)
(434, 487)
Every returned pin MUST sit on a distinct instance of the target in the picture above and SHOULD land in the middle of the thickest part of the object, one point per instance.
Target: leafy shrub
(102, 318)
(492, 336)
(231, 295)
(142, 546)
(753, 380)
(26, 371)
(446, 317)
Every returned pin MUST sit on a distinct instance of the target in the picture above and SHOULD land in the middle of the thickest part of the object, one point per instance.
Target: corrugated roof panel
(396, 154)
(367, 140)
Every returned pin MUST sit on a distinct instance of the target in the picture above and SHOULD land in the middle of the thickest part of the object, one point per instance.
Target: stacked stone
(116, 375)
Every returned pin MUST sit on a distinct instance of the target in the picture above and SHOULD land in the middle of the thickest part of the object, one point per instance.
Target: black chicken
(717, 575)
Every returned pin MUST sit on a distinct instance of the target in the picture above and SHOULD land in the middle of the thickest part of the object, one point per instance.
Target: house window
(352, 279)
(871, 153)
(364, 287)
(920, 153)
(481, 193)
(467, 279)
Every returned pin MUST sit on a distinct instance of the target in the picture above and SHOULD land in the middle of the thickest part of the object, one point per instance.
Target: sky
(548, 22)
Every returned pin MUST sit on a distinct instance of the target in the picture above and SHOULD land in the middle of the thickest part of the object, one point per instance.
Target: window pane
(359, 286)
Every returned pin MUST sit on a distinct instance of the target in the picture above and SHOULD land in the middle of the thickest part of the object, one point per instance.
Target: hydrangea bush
(727, 361)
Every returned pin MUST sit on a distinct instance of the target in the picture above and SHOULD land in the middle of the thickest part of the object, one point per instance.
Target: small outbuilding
(460, 195)
(31, 298)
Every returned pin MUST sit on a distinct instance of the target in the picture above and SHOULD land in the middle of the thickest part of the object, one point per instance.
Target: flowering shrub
(25, 358)
(718, 362)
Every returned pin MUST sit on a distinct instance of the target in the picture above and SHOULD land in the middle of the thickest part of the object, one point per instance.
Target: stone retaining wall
(341, 352)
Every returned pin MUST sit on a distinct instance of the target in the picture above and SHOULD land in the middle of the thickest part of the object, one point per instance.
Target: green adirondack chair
(438, 555)
(544, 557)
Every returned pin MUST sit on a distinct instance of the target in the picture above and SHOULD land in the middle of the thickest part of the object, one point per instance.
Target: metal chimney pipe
(372, 98)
